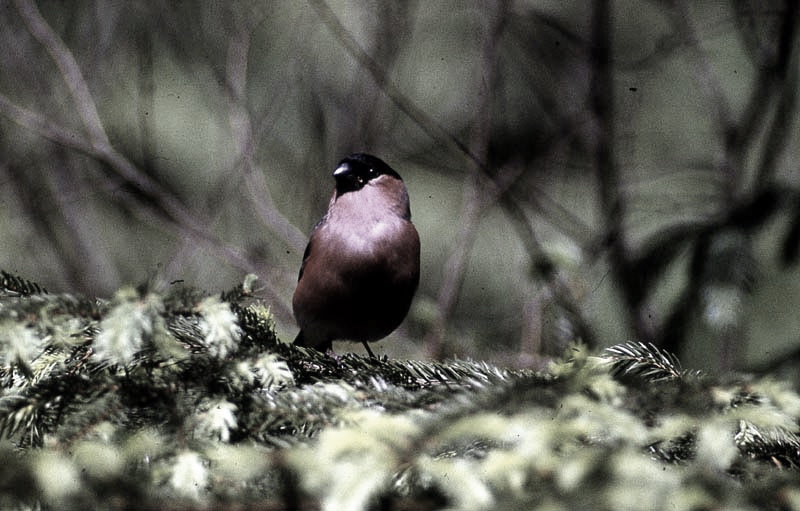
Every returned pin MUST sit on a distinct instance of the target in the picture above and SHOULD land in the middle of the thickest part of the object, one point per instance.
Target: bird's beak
(341, 170)
(344, 173)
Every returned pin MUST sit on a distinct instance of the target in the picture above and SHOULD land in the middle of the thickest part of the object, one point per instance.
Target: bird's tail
(300, 340)
(303, 341)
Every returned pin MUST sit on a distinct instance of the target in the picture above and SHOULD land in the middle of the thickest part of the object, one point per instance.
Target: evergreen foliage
(164, 397)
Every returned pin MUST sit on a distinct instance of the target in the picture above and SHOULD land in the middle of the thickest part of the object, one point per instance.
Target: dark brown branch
(241, 126)
(70, 71)
(429, 125)
(479, 191)
(611, 201)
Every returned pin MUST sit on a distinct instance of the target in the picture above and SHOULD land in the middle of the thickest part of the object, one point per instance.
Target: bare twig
(70, 71)
(684, 26)
(683, 23)
(785, 70)
(239, 119)
(479, 191)
(176, 212)
(92, 266)
(602, 104)
(779, 131)
(774, 68)
(741, 136)
(162, 203)
(45, 128)
(432, 128)
(612, 203)
(98, 145)
(558, 290)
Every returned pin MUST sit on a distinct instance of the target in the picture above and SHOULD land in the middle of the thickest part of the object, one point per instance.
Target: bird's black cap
(356, 170)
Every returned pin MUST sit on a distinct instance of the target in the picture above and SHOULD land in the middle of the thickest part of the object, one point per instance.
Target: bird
(360, 269)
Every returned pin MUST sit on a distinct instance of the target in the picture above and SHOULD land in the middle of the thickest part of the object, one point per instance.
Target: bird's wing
(310, 242)
(305, 258)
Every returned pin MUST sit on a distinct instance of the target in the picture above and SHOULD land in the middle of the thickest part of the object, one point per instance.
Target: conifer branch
(168, 395)
(645, 361)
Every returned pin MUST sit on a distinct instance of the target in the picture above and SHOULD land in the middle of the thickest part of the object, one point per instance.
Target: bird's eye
(371, 171)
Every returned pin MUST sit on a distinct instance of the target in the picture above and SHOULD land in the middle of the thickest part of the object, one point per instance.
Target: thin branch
(146, 84)
(241, 126)
(432, 128)
(70, 71)
(683, 22)
(546, 271)
(89, 265)
(45, 128)
(99, 147)
(181, 218)
(779, 132)
(98, 144)
(479, 191)
(684, 26)
(30, 200)
(786, 70)
(602, 104)
(611, 199)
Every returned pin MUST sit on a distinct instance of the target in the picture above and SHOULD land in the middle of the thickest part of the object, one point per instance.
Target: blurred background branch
(607, 171)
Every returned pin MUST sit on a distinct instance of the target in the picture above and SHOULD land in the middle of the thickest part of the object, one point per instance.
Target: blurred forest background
(609, 171)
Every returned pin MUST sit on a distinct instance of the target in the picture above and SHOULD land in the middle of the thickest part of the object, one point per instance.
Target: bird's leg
(371, 354)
